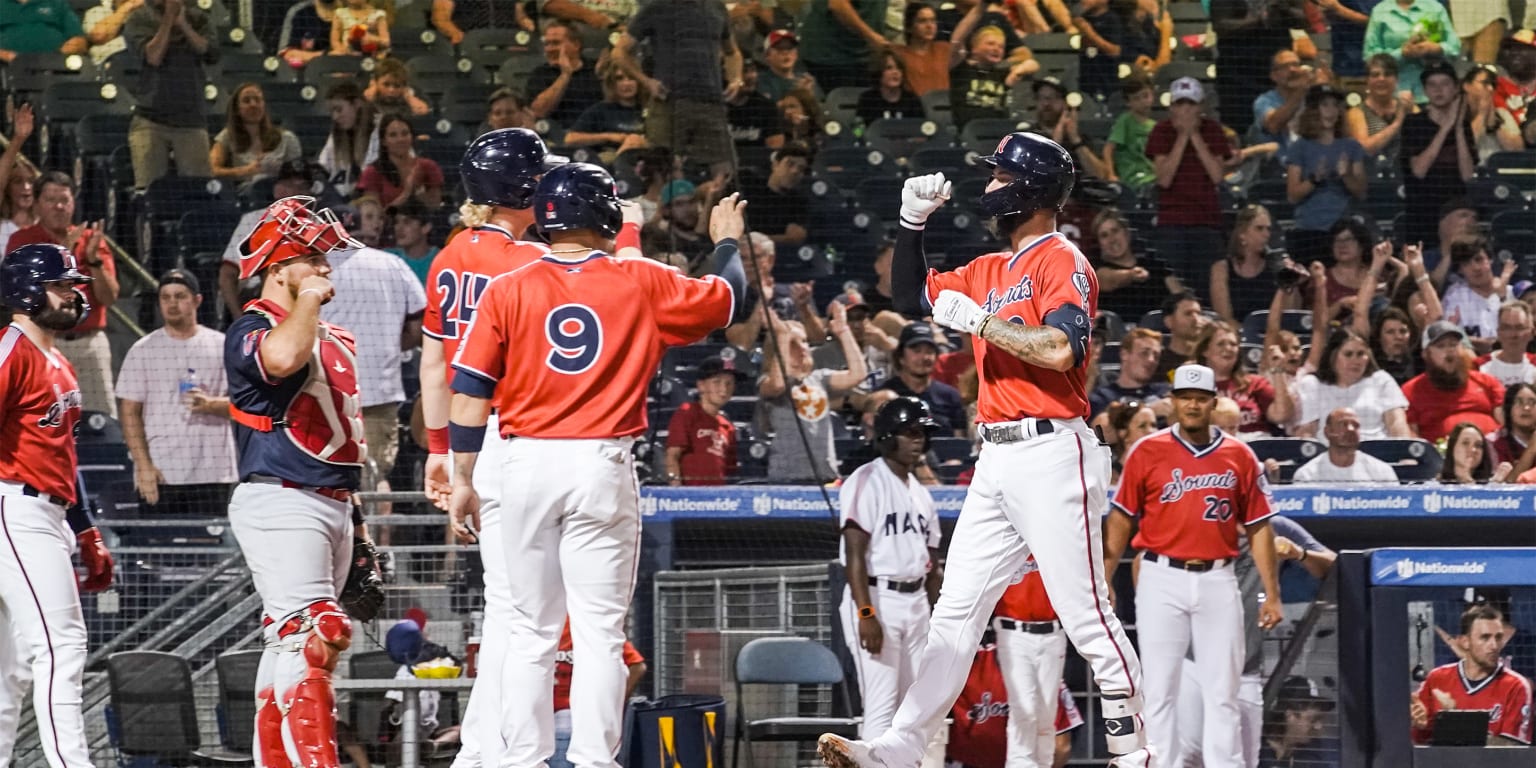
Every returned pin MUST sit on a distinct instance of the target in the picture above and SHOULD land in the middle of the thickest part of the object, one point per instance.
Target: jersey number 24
(459, 295)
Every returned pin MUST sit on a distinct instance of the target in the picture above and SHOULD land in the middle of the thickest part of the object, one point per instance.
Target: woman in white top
(251, 147)
(16, 193)
(1347, 377)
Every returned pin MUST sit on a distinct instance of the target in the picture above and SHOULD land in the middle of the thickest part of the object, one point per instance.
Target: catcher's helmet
(25, 270)
(896, 416)
(291, 229)
(503, 166)
(1043, 174)
(577, 196)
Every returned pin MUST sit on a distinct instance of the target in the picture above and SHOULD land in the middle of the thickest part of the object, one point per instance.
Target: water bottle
(185, 386)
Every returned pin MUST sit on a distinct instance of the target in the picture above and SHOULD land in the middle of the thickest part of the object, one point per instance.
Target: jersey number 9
(576, 337)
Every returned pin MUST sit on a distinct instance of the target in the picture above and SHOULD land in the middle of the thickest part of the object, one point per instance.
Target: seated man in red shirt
(1478, 681)
(701, 441)
(564, 662)
(1450, 391)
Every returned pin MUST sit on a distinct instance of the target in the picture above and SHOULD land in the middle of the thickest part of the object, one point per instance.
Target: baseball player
(565, 348)
(41, 626)
(1031, 651)
(1041, 479)
(1193, 490)
(299, 437)
(1480, 680)
(890, 553)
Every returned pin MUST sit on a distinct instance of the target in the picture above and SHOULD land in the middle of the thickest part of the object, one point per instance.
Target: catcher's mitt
(363, 594)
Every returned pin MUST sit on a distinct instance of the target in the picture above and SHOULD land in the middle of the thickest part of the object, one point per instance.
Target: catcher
(299, 436)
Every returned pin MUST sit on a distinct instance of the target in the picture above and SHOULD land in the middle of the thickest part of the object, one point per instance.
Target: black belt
(904, 587)
(28, 490)
(1014, 432)
(1028, 627)
(1193, 566)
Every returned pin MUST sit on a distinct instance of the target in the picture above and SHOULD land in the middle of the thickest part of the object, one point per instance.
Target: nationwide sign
(1454, 567)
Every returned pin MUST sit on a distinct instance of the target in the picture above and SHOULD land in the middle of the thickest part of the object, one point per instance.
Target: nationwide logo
(1323, 503)
(1408, 568)
(762, 504)
(650, 506)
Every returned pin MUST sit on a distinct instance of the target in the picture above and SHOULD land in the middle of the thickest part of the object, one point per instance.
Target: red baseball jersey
(1027, 600)
(1506, 694)
(39, 405)
(1192, 499)
(574, 344)
(1024, 287)
(460, 274)
(708, 443)
(565, 659)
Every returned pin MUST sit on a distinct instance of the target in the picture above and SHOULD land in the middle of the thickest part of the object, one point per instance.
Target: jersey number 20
(1217, 509)
(576, 337)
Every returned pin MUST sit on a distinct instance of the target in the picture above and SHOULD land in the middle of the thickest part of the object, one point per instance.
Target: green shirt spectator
(1409, 32)
(836, 39)
(39, 26)
(1129, 137)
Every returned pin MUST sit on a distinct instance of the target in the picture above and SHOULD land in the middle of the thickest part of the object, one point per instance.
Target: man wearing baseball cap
(1188, 151)
(917, 353)
(784, 72)
(1450, 390)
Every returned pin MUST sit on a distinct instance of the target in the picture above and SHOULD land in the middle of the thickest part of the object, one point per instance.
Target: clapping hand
(23, 124)
(837, 323)
(726, 220)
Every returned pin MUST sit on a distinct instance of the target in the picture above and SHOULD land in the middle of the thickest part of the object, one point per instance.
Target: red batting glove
(98, 561)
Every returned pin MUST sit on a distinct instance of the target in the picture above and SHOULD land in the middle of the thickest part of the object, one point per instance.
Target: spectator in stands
(1243, 282)
(1515, 441)
(1493, 128)
(103, 26)
(1450, 391)
(1325, 173)
(1392, 345)
(616, 123)
(1127, 422)
(294, 178)
(890, 98)
(1265, 400)
(786, 302)
(1115, 33)
(390, 90)
(1517, 85)
(1130, 284)
(701, 441)
(1347, 377)
(655, 167)
(785, 72)
(1377, 121)
(306, 32)
(1276, 112)
(1140, 351)
(1510, 363)
(793, 395)
(565, 85)
(1344, 463)
(1251, 35)
(696, 65)
(1346, 26)
(841, 38)
(1474, 301)
(1457, 219)
(1415, 32)
(251, 147)
(412, 226)
(753, 119)
(594, 15)
(1186, 326)
(802, 119)
(174, 401)
(353, 143)
(86, 347)
(681, 231)
(917, 351)
(981, 77)
(1467, 459)
(1057, 118)
(876, 343)
(1125, 153)
(399, 174)
(1480, 679)
(175, 42)
(505, 108)
(780, 205)
(1356, 262)
(1188, 152)
(358, 28)
(927, 58)
(453, 17)
(366, 219)
(39, 26)
(16, 173)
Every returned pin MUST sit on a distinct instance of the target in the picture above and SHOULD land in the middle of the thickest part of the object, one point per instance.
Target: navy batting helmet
(1043, 174)
(26, 270)
(577, 196)
(503, 166)
(898, 415)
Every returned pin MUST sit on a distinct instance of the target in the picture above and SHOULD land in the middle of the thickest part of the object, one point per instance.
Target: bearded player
(1042, 476)
(299, 436)
(41, 626)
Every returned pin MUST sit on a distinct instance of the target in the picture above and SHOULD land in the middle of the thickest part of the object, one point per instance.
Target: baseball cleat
(838, 752)
(1141, 758)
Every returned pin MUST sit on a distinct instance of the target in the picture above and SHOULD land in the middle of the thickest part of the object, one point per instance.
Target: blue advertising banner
(663, 504)
(1453, 567)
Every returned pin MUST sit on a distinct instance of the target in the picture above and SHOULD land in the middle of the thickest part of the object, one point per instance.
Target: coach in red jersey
(1479, 681)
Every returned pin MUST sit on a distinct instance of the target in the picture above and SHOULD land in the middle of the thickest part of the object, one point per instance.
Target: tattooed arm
(1040, 345)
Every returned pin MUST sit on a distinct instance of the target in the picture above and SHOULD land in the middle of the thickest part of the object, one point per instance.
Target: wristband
(437, 441)
(313, 290)
(462, 439)
(1303, 557)
(866, 611)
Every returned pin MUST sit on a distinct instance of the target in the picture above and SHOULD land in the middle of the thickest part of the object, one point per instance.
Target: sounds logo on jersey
(62, 402)
(1178, 484)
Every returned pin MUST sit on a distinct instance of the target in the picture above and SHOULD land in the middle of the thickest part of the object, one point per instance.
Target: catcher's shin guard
(270, 752)
(320, 633)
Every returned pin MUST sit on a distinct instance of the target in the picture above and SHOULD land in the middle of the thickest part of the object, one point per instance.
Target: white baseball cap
(1195, 377)
(1186, 88)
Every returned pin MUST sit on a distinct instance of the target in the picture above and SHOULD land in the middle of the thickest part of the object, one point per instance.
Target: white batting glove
(921, 196)
(957, 311)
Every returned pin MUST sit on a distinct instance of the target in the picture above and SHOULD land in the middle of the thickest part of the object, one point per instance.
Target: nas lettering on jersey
(62, 402)
(1178, 484)
(904, 522)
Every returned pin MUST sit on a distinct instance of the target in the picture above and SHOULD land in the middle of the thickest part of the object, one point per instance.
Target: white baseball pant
(1031, 665)
(883, 677)
(1250, 702)
(14, 679)
(1170, 603)
(1046, 496)
(480, 738)
(570, 525)
(42, 627)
